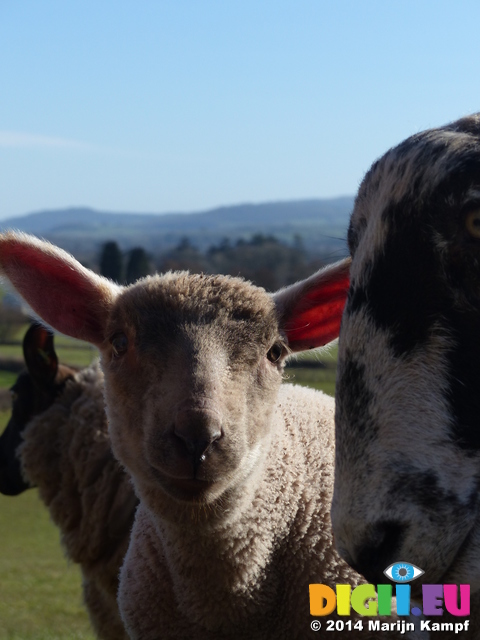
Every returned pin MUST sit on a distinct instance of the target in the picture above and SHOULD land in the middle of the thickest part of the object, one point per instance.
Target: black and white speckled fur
(408, 394)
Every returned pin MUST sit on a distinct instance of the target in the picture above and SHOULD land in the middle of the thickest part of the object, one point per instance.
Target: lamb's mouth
(193, 485)
(188, 488)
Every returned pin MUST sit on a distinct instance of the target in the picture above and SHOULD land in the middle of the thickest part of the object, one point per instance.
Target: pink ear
(310, 311)
(66, 295)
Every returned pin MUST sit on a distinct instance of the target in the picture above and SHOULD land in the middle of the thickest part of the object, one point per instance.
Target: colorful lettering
(343, 599)
(384, 599)
(360, 596)
(322, 600)
(402, 591)
(432, 599)
(450, 592)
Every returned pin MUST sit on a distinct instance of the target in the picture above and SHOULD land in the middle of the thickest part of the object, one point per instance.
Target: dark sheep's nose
(197, 429)
(379, 551)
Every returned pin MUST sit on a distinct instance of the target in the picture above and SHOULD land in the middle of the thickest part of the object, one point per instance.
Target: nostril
(380, 550)
(197, 430)
(197, 446)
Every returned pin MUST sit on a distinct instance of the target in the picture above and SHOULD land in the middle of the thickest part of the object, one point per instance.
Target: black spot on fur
(426, 278)
(424, 489)
(407, 296)
(402, 294)
(356, 397)
(355, 233)
(464, 379)
(357, 299)
(352, 239)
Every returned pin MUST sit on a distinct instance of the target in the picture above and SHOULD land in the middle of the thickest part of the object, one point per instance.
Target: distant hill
(321, 224)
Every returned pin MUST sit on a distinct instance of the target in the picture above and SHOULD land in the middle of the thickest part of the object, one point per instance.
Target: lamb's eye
(472, 223)
(119, 344)
(275, 352)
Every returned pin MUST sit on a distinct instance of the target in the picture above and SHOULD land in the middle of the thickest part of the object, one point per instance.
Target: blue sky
(183, 105)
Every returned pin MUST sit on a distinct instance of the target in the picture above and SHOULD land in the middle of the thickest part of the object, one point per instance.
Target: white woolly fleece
(249, 580)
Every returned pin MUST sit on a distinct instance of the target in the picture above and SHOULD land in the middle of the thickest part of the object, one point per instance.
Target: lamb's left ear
(39, 355)
(66, 295)
(310, 311)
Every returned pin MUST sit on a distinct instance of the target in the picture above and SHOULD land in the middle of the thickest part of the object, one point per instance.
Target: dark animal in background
(34, 391)
(57, 440)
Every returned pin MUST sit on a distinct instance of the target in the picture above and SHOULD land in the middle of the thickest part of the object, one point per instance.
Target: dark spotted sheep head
(408, 388)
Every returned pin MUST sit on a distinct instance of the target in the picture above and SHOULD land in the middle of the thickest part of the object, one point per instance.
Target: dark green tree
(185, 256)
(138, 265)
(111, 262)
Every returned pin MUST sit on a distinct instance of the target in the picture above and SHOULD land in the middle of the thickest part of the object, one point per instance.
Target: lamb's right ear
(66, 295)
(310, 311)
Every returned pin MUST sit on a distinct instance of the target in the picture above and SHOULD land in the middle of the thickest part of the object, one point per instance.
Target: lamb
(234, 472)
(407, 402)
(58, 426)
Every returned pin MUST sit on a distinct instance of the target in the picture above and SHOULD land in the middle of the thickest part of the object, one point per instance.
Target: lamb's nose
(197, 429)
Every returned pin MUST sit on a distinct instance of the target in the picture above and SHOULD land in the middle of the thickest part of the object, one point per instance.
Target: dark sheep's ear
(39, 354)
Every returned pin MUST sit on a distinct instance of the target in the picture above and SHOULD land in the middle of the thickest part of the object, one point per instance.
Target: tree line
(263, 259)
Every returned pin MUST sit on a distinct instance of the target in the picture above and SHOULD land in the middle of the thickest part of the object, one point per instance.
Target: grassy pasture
(40, 591)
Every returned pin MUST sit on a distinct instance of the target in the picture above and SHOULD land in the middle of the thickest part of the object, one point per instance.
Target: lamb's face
(192, 371)
(408, 393)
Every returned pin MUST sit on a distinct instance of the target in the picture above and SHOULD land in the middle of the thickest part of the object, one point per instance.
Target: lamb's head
(192, 371)
(408, 400)
(192, 363)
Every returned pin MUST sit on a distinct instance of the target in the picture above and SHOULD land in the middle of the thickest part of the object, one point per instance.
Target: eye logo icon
(403, 572)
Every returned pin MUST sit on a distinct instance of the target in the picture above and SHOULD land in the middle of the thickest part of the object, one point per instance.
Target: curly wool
(251, 578)
(66, 453)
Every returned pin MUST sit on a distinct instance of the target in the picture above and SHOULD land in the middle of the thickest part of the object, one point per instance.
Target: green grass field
(40, 591)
